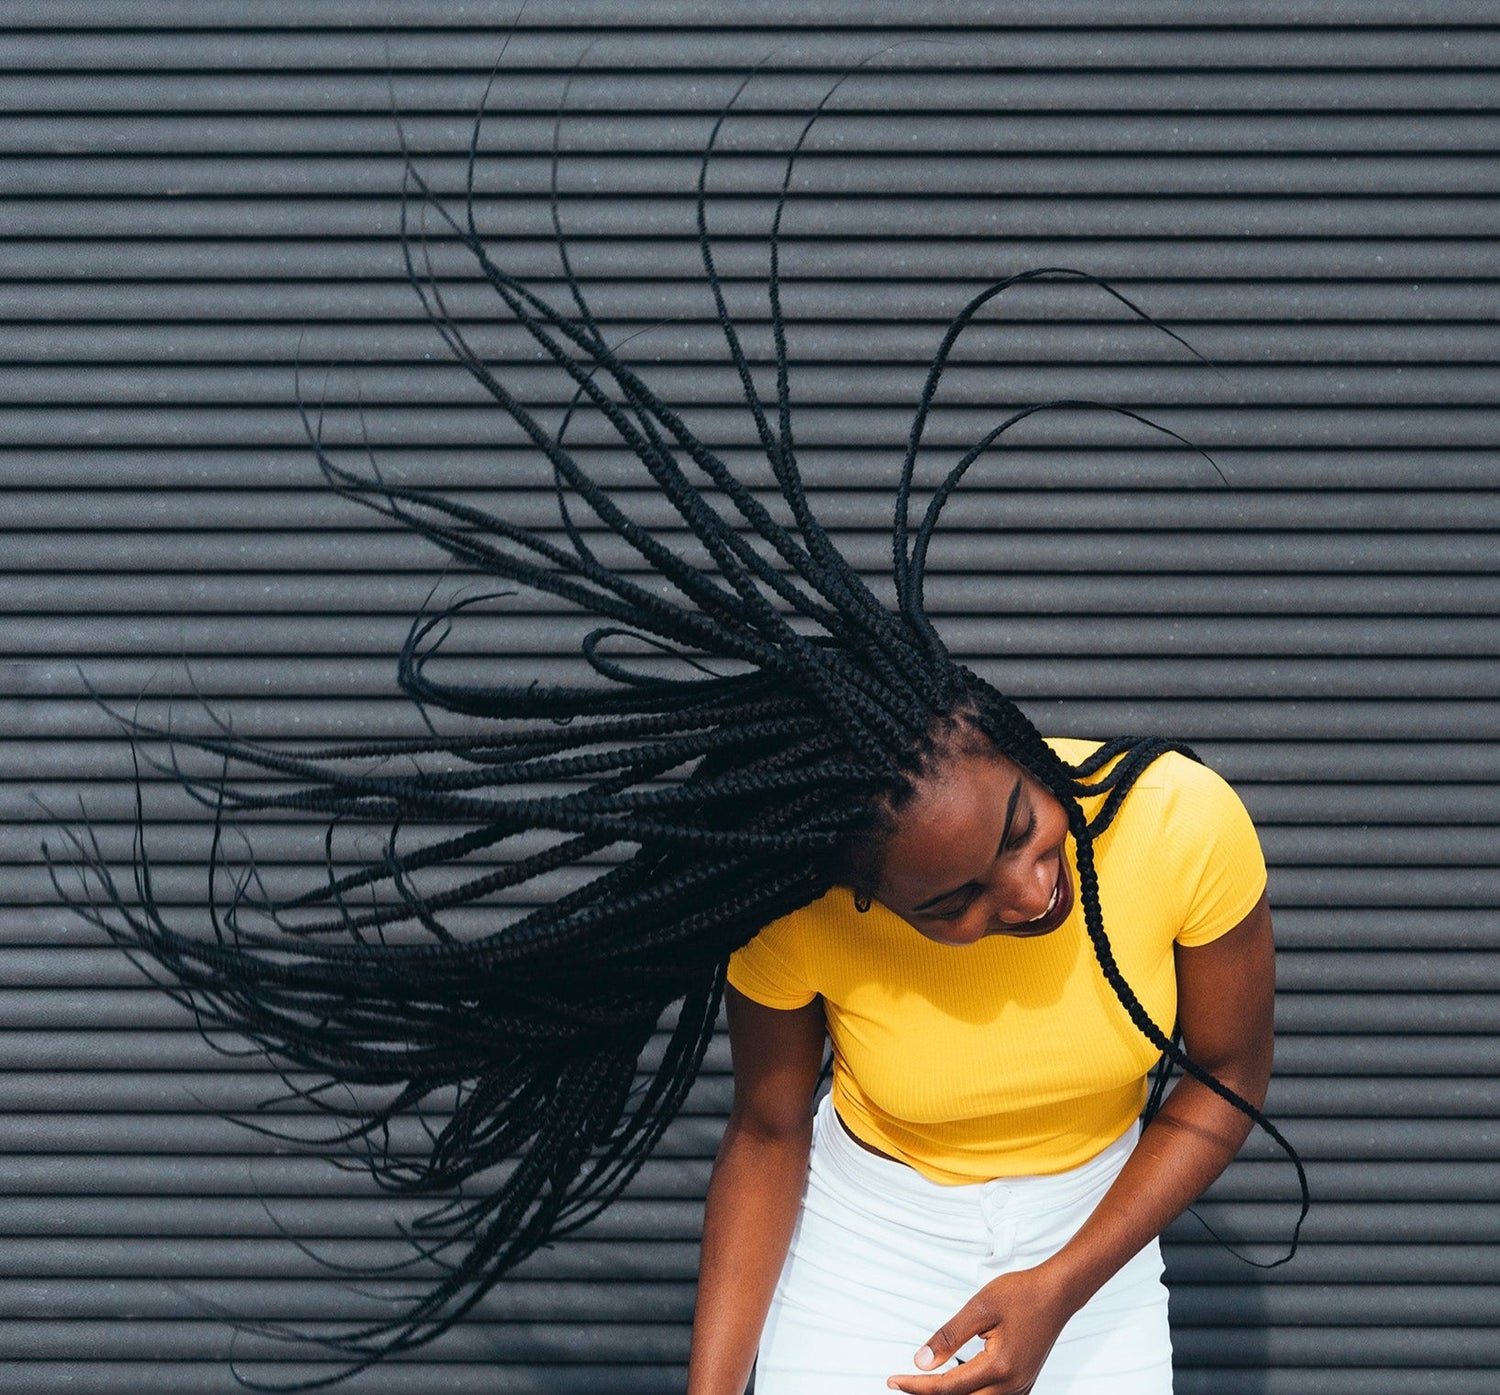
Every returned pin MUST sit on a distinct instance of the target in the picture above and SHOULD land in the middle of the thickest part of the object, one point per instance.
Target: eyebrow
(1010, 814)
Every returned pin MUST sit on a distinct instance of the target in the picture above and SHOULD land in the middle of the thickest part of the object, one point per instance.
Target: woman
(758, 732)
(973, 1041)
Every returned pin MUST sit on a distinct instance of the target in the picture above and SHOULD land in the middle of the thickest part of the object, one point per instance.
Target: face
(978, 851)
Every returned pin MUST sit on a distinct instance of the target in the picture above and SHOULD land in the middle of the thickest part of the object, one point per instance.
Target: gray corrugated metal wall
(1306, 191)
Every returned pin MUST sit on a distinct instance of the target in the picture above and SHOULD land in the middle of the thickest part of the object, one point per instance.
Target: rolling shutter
(197, 193)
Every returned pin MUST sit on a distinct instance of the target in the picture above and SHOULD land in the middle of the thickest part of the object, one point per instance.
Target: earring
(861, 904)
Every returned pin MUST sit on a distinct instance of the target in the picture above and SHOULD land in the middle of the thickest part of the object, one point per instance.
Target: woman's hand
(1019, 1316)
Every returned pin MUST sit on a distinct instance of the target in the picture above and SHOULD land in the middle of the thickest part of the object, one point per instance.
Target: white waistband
(833, 1146)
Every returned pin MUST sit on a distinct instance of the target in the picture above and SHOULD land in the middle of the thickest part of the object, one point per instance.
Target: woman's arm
(756, 1186)
(1225, 995)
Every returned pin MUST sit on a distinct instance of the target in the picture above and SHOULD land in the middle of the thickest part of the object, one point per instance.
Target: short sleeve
(1215, 853)
(769, 969)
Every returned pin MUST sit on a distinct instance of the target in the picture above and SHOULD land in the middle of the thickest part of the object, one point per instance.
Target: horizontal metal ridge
(1027, 677)
(499, 16)
(1278, 274)
(1065, 216)
(1298, 353)
(935, 178)
(715, 47)
(1339, 600)
(421, 399)
(850, 130)
(1200, 503)
(1326, 639)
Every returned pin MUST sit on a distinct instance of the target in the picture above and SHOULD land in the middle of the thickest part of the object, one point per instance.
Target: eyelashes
(1018, 839)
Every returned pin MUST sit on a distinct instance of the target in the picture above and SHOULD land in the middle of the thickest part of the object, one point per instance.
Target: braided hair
(753, 708)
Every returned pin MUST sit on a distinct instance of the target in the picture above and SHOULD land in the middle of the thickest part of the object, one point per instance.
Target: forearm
(1193, 1137)
(752, 1204)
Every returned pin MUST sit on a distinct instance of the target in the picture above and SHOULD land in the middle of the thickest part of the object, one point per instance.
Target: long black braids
(619, 838)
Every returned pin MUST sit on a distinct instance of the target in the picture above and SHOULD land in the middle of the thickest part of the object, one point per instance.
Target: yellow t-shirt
(1013, 1056)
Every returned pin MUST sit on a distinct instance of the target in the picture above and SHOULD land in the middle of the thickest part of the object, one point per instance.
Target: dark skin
(978, 851)
(756, 1186)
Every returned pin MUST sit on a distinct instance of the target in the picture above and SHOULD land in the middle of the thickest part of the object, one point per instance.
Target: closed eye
(1019, 837)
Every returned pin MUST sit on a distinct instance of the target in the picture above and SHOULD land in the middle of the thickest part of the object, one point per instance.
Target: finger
(985, 1374)
(967, 1322)
(969, 1379)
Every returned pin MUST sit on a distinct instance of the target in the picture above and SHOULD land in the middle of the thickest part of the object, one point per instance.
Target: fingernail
(925, 1358)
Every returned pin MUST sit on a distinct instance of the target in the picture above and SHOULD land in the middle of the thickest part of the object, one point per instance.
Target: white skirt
(881, 1257)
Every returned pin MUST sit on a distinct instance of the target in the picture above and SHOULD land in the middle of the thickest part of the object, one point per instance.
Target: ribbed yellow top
(1012, 1056)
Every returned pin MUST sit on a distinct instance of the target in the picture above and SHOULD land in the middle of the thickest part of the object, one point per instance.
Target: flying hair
(751, 709)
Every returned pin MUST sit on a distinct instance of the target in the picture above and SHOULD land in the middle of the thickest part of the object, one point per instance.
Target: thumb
(943, 1343)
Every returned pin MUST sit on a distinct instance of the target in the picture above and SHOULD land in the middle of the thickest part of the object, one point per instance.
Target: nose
(1030, 894)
